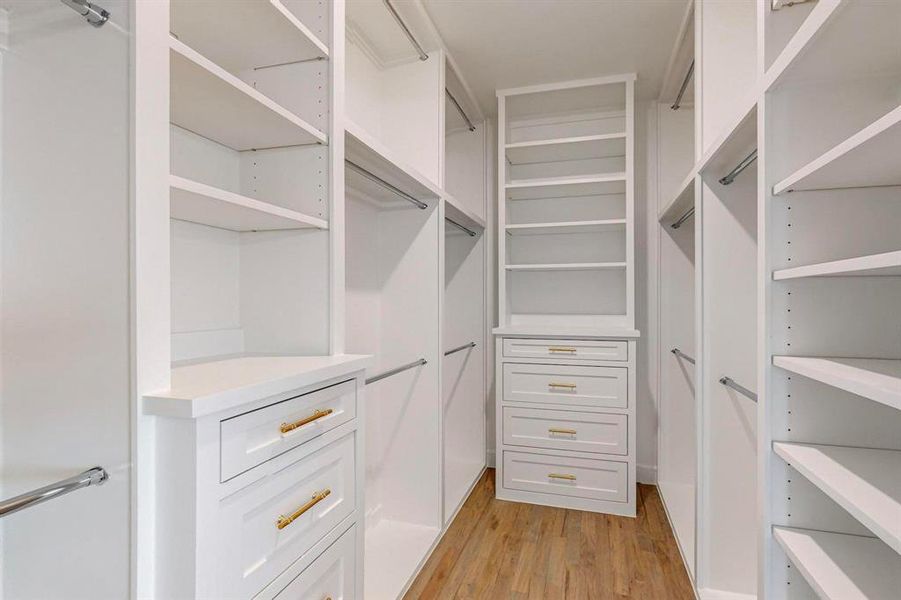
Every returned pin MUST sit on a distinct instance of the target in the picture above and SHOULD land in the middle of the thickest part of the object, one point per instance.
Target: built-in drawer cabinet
(599, 350)
(566, 385)
(331, 576)
(252, 438)
(269, 524)
(566, 476)
(566, 430)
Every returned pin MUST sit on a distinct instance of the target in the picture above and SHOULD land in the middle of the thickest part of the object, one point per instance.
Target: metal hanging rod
(397, 370)
(93, 14)
(460, 227)
(678, 103)
(407, 32)
(744, 164)
(729, 382)
(373, 177)
(290, 62)
(688, 214)
(780, 4)
(460, 348)
(460, 110)
(93, 476)
(681, 354)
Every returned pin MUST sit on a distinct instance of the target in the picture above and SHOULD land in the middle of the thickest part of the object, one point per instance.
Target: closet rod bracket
(682, 355)
(744, 164)
(729, 382)
(93, 14)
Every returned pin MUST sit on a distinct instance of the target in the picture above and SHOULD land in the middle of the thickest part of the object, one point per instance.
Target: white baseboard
(646, 474)
(709, 594)
(491, 459)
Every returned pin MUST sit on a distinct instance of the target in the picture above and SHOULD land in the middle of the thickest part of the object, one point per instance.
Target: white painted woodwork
(873, 378)
(590, 478)
(570, 349)
(566, 430)
(566, 385)
(887, 264)
(331, 575)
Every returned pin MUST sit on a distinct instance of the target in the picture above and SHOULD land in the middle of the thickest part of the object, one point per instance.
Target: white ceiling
(510, 43)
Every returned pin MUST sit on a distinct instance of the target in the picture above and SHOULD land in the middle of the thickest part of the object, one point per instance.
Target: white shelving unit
(876, 379)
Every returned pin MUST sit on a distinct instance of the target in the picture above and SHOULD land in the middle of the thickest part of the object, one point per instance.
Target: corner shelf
(200, 203)
(565, 187)
(598, 226)
(842, 567)
(569, 148)
(567, 267)
(873, 378)
(886, 264)
(244, 35)
(211, 102)
(863, 481)
(869, 158)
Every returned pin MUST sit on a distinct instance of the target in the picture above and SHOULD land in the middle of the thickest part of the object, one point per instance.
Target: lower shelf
(842, 567)
(394, 550)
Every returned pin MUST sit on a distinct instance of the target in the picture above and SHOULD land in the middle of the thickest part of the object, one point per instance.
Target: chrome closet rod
(729, 382)
(459, 348)
(396, 370)
(407, 32)
(373, 177)
(744, 164)
(93, 476)
(460, 110)
(461, 227)
(678, 102)
(681, 354)
(93, 14)
(688, 214)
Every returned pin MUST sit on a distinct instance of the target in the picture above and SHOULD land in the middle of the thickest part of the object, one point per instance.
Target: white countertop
(205, 388)
(565, 331)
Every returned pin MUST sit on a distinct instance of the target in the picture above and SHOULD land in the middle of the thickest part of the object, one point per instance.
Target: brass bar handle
(283, 521)
(561, 430)
(565, 476)
(567, 349)
(569, 386)
(318, 414)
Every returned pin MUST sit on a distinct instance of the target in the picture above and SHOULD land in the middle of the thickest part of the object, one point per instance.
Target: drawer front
(566, 385)
(253, 438)
(571, 349)
(564, 476)
(566, 430)
(330, 576)
(271, 523)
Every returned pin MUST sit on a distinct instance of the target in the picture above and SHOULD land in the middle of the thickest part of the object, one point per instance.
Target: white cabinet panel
(570, 349)
(330, 576)
(566, 430)
(565, 476)
(566, 385)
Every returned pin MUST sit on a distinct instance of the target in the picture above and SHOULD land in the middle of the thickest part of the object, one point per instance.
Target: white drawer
(253, 438)
(569, 385)
(571, 349)
(330, 576)
(566, 430)
(564, 476)
(258, 535)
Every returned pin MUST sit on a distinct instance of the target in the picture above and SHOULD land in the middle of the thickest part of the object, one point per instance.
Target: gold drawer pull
(565, 476)
(567, 349)
(569, 386)
(559, 430)
(286, 427)
(284, 521)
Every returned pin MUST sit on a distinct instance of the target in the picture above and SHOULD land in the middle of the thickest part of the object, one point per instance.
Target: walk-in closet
(436, 299)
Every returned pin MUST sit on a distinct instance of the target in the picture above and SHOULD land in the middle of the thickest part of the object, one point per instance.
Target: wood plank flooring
(507, 550)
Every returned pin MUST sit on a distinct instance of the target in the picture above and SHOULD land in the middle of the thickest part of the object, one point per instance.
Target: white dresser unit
(566, 343)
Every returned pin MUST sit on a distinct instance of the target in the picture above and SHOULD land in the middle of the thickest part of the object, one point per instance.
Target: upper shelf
(211, 102)
(571, 148)
(886, 264)
(842, 567)
(863, 481)
(244, 35)
(568, 266)
(461, 215)
(566, 187)
(598, 226)
(200, 203)
(873, 378)
(868, 158)
(681, 203)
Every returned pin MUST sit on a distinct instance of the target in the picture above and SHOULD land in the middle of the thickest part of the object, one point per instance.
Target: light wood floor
(507, 550)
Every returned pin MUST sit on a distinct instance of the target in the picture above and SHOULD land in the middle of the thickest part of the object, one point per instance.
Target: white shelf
(564, 187)
(239, 36)
(568, 267)
(455, 211)
(735, 142)
(842, 567)
(887, 264)
(207, 387)
(200, 203)
(681, 203)
(801, 41)
(211, 102)
(567, 227)
(367, 152)
(873, 378)
(863, 481)
(571, 148)
(868, 158)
